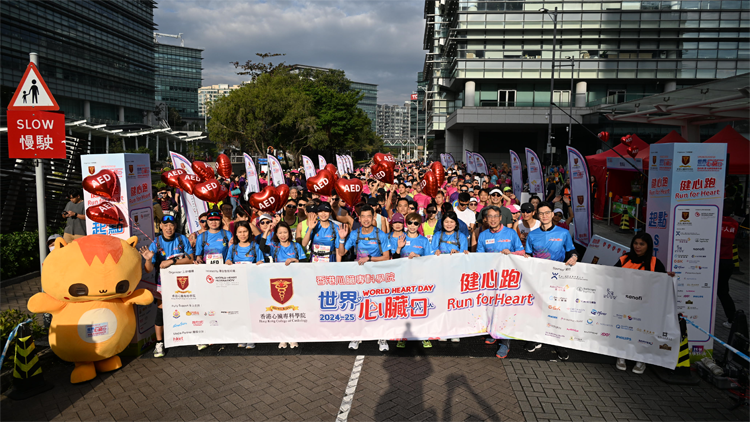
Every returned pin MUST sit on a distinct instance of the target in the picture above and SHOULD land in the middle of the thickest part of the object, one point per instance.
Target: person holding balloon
(323, 235)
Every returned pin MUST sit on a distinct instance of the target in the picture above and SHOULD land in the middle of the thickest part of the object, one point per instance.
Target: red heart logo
(321, 183)
(439, 171)
(203, 170)
(171, 177)
(283, 192)
(104, 184)
(633, 151)
(333, 170)
(382, 172)
(350, 190)
(187, 182)
(104, 213)
(429, 184)
(224, 166)
(266, 200)
(210, 191)
(381, 158)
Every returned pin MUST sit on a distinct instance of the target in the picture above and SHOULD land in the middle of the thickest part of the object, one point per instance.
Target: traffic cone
(624, 222)
(27, 370)
(682, 374)
(736, 259)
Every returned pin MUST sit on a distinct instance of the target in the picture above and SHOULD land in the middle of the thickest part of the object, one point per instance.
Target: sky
(376, 42)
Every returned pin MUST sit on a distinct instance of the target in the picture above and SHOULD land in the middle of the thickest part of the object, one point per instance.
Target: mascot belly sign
(90, 289)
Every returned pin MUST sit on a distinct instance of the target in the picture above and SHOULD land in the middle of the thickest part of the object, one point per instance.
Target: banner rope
(737, 352)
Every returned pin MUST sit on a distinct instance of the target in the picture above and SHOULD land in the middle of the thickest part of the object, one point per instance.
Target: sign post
(35, 133)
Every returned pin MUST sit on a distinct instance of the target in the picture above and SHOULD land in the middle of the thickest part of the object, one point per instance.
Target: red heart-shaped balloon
(266, 200)
(203, 170)
(627, 140)
(439, 171)
(224, 166)
(187, 182)
(350, 190)
(283, 192)
(104, 213)
(382, 172)
(381, 158)
(429, 184)
(604, 136)
(170, 177)
(103, 184)
(333, 170)
(321, 183)
(210, 191)
(633, 151)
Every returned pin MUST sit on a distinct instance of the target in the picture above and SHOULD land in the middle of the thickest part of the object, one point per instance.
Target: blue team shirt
(281, 254)
(368, 244)
(450, 242)
(462, 227)
(214, 244)
(551, 244)
(506, 238)
(249, 253)
(419, 245)
(170, 249)
(393, 239)
(325, 237)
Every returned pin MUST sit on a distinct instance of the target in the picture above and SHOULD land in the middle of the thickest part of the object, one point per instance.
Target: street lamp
(552, 16)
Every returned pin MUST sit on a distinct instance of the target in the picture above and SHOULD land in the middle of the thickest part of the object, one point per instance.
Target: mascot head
(94, 267)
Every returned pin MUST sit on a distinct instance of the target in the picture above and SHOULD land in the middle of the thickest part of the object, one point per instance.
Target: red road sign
(36, 134)
(32, 93)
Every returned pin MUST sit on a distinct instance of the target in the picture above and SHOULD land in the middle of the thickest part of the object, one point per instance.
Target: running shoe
(490, 340)
(532, 347)
(159, 350)
(383, 345)
(639, 368)
(562, 354)
(202, 346)
(455, 340)
(242, 345)
(282, 345)
(354, 344)
(250, 346)
(621, 365)
(426, 344)
(293, 344)
(502, 351)
(401, 344)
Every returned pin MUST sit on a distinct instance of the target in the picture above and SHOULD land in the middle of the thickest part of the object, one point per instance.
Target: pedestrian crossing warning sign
(32, 93)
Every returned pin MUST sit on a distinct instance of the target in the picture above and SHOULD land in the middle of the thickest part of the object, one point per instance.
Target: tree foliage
(256, 69)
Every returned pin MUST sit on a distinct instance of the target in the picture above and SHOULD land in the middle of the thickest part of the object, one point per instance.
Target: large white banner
(480, 164)
(251, 177)
(534, 167)
(442, 160)
(321, 162)
(274, 167)
(516, 171)
(618, 312)
(580, 196)
(307, 163)
(339, 165)
(351, 163)
(603, 251)
(449, 160)
(191, 205)
(471, 166)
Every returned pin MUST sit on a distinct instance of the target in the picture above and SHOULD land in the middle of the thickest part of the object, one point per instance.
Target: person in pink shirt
(421, 199)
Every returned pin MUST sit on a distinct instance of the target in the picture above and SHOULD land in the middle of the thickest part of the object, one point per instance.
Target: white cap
(496, 190)
(558, 210)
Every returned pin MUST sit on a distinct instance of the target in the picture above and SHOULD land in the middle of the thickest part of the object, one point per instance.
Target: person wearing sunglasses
(554, 243)
(203, 224)
(290, 214)
(166, 250)
(430, 223)
(496, 199)
(212, 246)
(463, 212)
(323, 235)
(527, 223)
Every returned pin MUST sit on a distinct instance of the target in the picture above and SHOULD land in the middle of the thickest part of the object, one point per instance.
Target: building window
(615, 96)
(561, 97)
(506, 98)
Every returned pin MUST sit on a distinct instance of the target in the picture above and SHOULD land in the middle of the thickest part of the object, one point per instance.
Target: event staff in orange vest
(640, 257)
(729, 228)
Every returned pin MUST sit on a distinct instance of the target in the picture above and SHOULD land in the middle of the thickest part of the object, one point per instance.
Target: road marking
(346, 403)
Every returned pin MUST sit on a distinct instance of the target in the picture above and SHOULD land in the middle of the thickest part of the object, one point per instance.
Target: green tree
(255, 69)
(175, 120)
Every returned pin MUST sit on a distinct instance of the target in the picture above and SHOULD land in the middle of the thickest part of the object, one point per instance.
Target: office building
(392, 121)
(207, 94)
(418, 110)
(488, 67)
(178, 78)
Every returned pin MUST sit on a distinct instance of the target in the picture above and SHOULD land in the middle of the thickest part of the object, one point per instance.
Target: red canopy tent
(738, 148)
(598, 168)
(672, 138)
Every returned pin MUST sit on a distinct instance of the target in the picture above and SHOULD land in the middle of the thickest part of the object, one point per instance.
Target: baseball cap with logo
(527, 207)
(213, 215)
(397, 218)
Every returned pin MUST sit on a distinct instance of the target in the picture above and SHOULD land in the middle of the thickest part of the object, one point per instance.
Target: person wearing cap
(527, 222)
(474, 205)
(397, 230)
(323, 235)
(166, 250)
(51, 242)
(464, 213)
(380, 221)
(559, 220)
(212, 246)
(496, 197)
(555, 244)
(515, 211)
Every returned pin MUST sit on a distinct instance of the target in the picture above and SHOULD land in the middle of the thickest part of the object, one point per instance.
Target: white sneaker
(727, 324)
(241, 345)
(383, 345)
(639, 368)
(159, 350)
(443, 339)
(202, 346)
(354, 344)
(455, 340)
(621, 365)
(250, 346)
(293, 344)
(282, 345)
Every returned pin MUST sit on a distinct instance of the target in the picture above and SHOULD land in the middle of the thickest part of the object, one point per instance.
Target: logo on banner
(92, 169)
(665, 347)
(209, 279)
(685, 215)
(685, 160)
(653, 159)
(282, 291)
(610, 295)
(580, 199)
(130, 168)
(182, 283)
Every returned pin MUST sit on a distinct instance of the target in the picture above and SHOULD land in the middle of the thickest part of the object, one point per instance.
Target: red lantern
(170, 178)
(350, 190)
(104, 213)
(321, 183)
(224, 166)
(210, 191)
(266, 200)
(104, 184)
(203, 170)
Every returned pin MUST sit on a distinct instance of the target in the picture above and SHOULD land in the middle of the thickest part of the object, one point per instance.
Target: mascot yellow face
(93, 267)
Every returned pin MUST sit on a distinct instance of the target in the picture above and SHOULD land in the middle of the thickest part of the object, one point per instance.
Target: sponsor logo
(179, 324)
(182, 283)
(559, 288)
(610, 295)
(688, 302)
(586, 290)
(645, 342)
(589, 321)
(209, 279)
(665, 347)
(197, 323)
(604, 324)
(558, 299)
(572, 329)
(209, 313)
(597, 313)
(631, 297)
(554, 276)
(605, 334)
(624, 338)
(282, 290)
(554, 308)
(698, 296)
(645, 331)
(176, 314)
(624, 327)
(213, 323)
(590, 332)
(577, 310)
(551, 316)
(178, 339)
(590, 302)
(571, 320)
(553, 335)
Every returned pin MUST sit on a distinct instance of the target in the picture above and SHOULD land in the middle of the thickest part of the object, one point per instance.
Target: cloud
(373, 42)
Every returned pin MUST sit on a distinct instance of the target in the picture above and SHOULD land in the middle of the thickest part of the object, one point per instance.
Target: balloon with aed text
(321, 183)
(333, 170)
(104, 184)
(187, 182)
(210, 191)
(104, 213)
(381, 158)
(382, 172)
(350, 190)
(223, 166)
(266, 200)
(203, 170)
(439, 171)
(429, 184)
(283, 192)
(170, 178)
(633, 151)
(626, 140)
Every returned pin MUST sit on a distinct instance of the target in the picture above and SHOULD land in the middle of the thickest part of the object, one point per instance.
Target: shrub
(19, 253)
(8, 321)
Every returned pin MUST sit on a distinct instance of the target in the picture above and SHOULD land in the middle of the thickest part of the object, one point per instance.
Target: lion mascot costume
(90, 289)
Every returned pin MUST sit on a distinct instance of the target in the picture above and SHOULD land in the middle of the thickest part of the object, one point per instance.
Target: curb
(20, 278)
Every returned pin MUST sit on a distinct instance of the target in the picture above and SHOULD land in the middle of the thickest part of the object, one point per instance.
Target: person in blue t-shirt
(462, 227)
(168, 249)
(554, 243)
(212, 246)
(244, 250)
(371, 245)
(323, 234)
(449, 239)
(398, 227)
(281, 248)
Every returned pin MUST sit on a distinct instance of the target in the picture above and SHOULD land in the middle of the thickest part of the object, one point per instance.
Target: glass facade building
(488, 63)
(178, 78)
(96, 57)
(370, 102)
